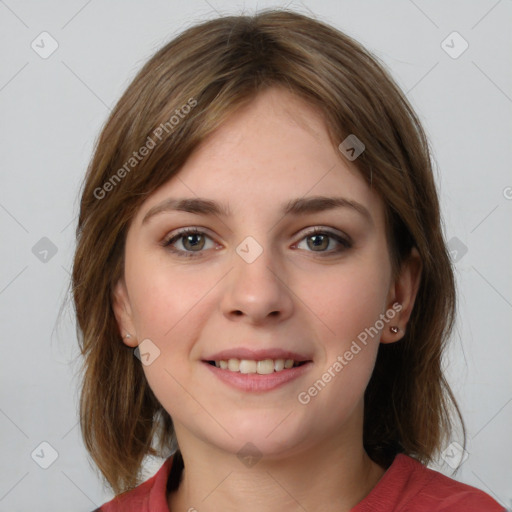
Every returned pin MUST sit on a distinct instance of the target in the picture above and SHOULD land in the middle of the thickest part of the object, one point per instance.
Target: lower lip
(255, 382)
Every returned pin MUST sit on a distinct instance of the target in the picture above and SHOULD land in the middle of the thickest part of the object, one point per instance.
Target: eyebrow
(299, 206)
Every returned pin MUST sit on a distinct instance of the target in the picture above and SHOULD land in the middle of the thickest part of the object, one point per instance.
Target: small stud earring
(127, 336)
(394, 329)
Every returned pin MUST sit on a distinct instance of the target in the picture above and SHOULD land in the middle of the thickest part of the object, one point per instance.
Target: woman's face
(257, 284)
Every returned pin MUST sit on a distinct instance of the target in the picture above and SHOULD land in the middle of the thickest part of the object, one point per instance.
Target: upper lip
(257, 355)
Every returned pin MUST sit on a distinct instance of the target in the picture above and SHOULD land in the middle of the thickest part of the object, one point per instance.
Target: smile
(263, 367)
(243, 374)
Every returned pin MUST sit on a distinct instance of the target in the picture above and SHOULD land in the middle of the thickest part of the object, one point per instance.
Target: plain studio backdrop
(63, 67)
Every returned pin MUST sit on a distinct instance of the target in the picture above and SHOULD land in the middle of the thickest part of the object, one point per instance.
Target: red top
(407, 486)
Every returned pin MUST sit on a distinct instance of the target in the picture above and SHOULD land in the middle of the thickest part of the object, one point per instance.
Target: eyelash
(168, 242)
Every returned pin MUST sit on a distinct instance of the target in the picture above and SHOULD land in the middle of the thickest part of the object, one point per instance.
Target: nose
(256, 291)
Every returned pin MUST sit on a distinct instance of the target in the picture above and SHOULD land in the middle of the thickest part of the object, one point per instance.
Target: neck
(332, 476)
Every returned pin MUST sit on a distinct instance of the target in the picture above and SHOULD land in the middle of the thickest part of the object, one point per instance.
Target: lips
(257, 382)
(257, 370)
(257, 355)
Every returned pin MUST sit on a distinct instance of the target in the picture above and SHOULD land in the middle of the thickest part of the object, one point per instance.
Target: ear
(403, 292)
(123, 313)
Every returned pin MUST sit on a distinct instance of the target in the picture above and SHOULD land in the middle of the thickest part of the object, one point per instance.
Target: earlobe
(123, 314)
(403, 293)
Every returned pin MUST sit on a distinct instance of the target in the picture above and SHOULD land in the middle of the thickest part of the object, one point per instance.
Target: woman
(261, 283)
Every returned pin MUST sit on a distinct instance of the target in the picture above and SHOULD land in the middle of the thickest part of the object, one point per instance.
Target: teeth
(263, 367)
(247, 366)
(234, 365)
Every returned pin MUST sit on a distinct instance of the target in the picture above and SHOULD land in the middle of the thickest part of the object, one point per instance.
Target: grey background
(52, 110)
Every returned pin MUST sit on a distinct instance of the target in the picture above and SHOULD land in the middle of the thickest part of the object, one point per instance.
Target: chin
(267, 436)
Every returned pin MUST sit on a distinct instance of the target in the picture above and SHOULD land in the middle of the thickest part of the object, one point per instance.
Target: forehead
(272, 150)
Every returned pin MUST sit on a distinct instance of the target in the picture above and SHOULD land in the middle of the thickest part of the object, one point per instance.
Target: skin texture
(292, 297)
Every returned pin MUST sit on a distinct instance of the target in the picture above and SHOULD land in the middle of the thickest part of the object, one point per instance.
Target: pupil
(190, 240)
(319, 241)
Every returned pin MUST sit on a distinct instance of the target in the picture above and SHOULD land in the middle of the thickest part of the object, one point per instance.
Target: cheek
(348, 300)
(170, 308)
(165, 298)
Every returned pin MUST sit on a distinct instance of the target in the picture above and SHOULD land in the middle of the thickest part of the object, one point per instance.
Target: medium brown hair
(220, 65)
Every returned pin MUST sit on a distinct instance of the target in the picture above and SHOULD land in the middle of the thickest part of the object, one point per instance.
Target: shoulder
(150, 495)
(409, 486)
(448, 494)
